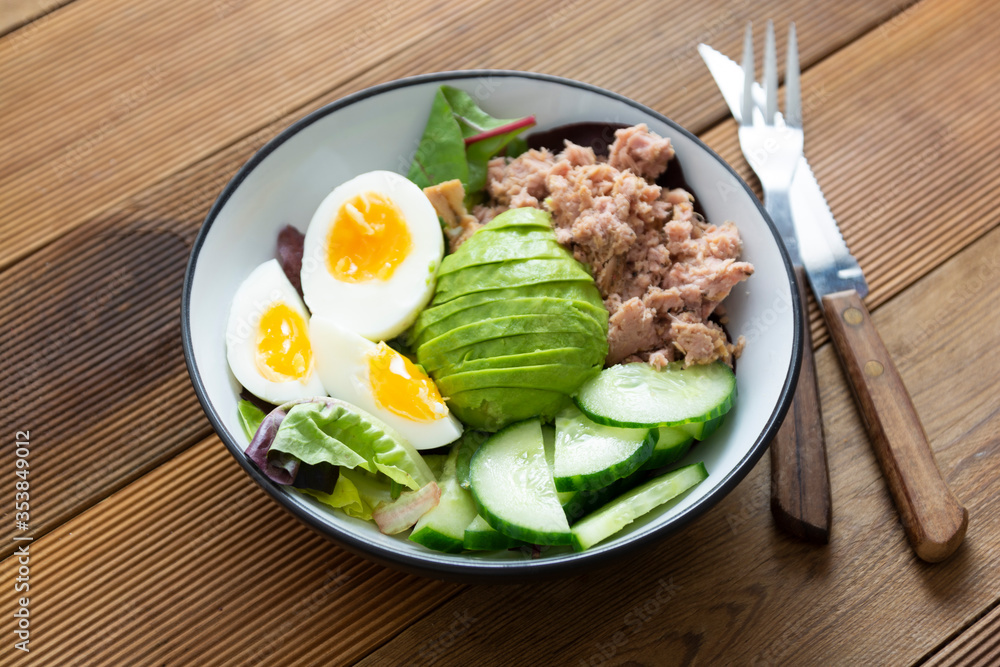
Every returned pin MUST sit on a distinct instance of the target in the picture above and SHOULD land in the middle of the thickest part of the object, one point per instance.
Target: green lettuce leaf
(341, 434)
(358, 493)
(440, 155)
(250, 417)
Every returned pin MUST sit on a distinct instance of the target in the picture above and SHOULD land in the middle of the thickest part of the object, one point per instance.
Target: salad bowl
(379, 129)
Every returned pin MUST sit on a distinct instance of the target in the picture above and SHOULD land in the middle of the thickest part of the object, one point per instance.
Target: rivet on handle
(853, 316)
(873, 369)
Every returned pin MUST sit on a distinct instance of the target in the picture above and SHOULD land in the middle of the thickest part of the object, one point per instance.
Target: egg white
(266, 286)
(342, 364)
(376, 309)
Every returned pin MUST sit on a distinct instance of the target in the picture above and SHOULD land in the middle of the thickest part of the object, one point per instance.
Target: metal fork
(772, 144)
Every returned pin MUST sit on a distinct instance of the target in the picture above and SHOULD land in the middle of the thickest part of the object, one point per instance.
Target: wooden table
(122, 120)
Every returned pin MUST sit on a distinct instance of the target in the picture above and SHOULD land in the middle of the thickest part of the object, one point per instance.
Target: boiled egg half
(267, 338)
(371, 254)
(381, 381)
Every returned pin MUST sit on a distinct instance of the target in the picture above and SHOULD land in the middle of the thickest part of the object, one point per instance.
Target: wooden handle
(934, 520)
(800, 480)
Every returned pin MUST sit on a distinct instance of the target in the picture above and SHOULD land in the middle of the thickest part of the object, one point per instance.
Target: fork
(772, 144)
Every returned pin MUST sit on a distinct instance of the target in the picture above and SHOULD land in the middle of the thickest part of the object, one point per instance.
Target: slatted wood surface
(121, 122)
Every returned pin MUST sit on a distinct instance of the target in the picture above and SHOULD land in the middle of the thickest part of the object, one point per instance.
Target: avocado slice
(502, 250)
(520, 217)
(519, 306)
(492, 409)
(565, 378)
(576, 356)
(575, 290)
(511, 345)
(570, 321)
(516, 273)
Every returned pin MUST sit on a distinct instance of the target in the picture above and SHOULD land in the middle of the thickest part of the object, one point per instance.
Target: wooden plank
(731, 589)
(201, 75)
(892, 162)
(18, 14)
(194, 564)
(82, 463)
(979, 646)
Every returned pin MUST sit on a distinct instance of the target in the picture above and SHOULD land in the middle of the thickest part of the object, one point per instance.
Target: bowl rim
(472, 570)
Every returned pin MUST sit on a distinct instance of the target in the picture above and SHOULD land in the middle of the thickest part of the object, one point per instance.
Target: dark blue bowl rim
(474, 570)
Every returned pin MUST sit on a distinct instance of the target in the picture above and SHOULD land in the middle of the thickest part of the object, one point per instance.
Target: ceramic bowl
(379, 128)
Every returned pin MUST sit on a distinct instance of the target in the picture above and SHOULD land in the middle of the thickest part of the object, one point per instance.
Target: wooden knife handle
(934, 520)
(800, 480)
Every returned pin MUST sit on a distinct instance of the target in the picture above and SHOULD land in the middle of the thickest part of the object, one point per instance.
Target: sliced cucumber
(480, 536)
(637, 395)
(701, 430)
(443, 528)
(436, 463)
(672, 444)
(513, 488)
(468, 445)
(625, 509)
(591, 456)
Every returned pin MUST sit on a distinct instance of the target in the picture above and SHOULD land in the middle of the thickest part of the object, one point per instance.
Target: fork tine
(793, 92)
(746, 108)
(770, 76)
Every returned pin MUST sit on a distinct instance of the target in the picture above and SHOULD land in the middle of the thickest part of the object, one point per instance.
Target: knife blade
(934, 521)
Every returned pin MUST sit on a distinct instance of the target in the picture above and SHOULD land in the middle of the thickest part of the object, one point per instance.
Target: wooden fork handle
(800, 480)
(934, 520)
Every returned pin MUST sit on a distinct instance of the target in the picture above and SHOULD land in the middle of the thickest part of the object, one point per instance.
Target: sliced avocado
(561, 355)
(569, 321)
(511, 345)
(520, 217)
(565, 378)
(517, 273)
(576, 290)
(502, 250)
(492, 409)
(508, 307)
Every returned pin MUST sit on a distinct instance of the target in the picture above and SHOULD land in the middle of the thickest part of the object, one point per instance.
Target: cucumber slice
(436, 463)
(625, 509)
(480, 536)
(467, 445)
(443, 528)
(513, 487)
(591, 456)
(637, 395)
(671, 445)
(701, 430)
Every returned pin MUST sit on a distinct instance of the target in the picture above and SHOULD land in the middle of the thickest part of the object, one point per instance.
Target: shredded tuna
(661, 269)
(448, 199)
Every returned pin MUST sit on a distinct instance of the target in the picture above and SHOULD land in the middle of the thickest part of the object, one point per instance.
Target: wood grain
(200, 75)
(934, 520)
(979, 646)
(800, 480)
(15, 14)
(730, 589)
(81, 465)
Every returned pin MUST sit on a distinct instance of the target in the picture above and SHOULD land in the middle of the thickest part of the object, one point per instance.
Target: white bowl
(379, 128)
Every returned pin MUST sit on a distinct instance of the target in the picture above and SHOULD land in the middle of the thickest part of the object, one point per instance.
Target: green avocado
(454, 360)
(492, 409)
(516, 273)
(567, 356)
(575, 290)
(520, 217)
(569, 321)
(522, 306)
(565, 378)
(502, 251)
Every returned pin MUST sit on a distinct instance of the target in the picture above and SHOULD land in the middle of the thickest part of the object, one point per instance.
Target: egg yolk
(368, 239)
(401, 388)
(283, 349)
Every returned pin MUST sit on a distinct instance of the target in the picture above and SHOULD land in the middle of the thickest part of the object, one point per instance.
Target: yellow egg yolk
(402, 388)
(368, 239)
(283, 349)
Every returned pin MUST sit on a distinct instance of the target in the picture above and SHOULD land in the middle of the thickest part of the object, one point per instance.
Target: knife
(800, 480)
(934, 521)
